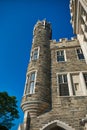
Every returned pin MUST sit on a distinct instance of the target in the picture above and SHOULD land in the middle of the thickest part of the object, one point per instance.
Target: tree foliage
(8, 110)
(3, 128)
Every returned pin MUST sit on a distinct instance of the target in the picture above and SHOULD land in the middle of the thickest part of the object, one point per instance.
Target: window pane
(60, 56)
(85, 77)
(80, 53)
(58, 53)
(63, 89)
(60, 79)
(62, 53)
(31, 87)
(78, 50)
(63, 85)
(30, 83)
(81, 56)
(65, 78)
(35, 54)
(32, 76)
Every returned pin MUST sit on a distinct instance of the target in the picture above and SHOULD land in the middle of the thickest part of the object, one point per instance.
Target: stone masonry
(45, 108)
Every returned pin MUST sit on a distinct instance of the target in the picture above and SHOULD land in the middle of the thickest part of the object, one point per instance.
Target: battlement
(64, 43)
(66, 39)
(42, 25)
(63, 40)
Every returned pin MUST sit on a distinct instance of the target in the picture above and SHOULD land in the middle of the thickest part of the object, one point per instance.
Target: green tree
(8, 110)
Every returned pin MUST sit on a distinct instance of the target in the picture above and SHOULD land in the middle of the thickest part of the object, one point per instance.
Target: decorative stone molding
(54, 123)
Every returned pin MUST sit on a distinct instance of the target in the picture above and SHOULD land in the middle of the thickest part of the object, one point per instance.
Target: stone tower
(37, 94)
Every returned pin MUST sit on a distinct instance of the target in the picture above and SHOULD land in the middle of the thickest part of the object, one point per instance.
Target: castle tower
(37, 97)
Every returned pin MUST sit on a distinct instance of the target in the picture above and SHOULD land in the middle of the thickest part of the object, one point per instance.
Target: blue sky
(17, 19)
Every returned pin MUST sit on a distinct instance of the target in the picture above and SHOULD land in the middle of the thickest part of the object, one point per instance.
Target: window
(35, 54)
(63, 85)
(31, 83)
(60, 56)
(85, 77)
(80, 54)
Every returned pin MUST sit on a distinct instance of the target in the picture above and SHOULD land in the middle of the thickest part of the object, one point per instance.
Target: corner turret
(37, 93)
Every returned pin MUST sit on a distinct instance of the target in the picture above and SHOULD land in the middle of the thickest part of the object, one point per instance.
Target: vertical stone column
(83, 85)
(26, 120)
(70, 84)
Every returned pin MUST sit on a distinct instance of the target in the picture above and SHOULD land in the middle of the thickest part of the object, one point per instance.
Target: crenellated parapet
(42, 25)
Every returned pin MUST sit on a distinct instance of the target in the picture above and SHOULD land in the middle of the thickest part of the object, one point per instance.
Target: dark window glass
(35, 56)
(60, 79)
(63, 85)
(85, 77)
(65, 78)
(80, 54)
(63, 89)
(60, 56)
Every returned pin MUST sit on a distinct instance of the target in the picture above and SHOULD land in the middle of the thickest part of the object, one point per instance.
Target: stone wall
(48, 108)
(67, 111)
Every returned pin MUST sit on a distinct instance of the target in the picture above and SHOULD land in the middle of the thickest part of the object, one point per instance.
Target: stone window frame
(32, 53)
(81, 52)
(27, 83)
(82, 82)
(65, 59)
(85, 78)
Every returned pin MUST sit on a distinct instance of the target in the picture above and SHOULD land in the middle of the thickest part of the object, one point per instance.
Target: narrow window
(63, 85)
(35, 54)
(32, 80)
(31, 83)
(80, 54)
(85, 77)
(60, 56)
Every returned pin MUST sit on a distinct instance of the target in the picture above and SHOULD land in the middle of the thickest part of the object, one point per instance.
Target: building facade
(55, 94)
(78, 9)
